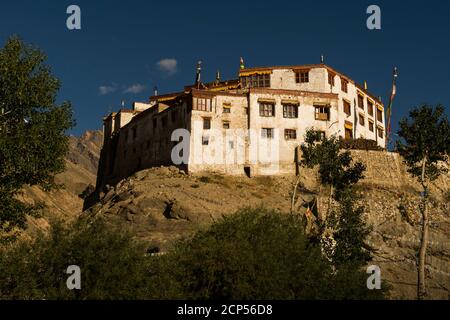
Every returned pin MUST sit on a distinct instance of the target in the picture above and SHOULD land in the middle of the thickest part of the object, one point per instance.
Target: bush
(254, 254)
(112, 265)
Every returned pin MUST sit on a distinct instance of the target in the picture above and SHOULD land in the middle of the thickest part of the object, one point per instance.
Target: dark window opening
(206, 123)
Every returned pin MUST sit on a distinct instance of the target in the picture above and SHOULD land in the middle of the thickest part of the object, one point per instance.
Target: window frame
(205, 121)
(290, 134)
(347, 103)
(264, 112)
(344, 85)
(267, 135)
(317, 113)
(290, 111)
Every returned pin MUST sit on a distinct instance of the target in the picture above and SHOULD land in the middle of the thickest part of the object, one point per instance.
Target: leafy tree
(350, 232)
(33, 127)
(424, 144)
(335, 166)
(343, 231)
(253, 254)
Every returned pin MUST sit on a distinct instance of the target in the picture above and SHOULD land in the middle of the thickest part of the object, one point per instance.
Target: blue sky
(115, 55)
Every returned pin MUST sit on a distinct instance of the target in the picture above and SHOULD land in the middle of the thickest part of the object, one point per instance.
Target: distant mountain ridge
(81, 171)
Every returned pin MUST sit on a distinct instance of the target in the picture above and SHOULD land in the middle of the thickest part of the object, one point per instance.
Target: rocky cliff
(160, 205)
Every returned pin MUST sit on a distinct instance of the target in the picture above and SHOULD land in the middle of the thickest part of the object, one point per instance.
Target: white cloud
(135, 88)
(168, 66)
(104, 90)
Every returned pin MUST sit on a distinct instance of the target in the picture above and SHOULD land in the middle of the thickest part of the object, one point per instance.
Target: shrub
(253, 254)
(112, 265)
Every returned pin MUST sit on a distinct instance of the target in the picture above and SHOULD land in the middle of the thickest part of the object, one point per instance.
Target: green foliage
(350, 232)
(334, 165)
(33, 139)
(344, 231)
(112, 264)
(426, 135)
(253, 254)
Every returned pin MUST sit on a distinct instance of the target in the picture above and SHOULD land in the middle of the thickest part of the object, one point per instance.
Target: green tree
(33, 128)
(343, 231)
(335, 166)
(425, 145)
(253, 254)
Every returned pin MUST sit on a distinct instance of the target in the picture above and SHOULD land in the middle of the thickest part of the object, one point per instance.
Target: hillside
(81, 171)
(160, 205)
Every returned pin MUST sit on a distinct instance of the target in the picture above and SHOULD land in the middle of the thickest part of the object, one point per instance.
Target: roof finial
(123, 103)
(365, 85)
(395, 72)
(155, 91)
(241, 64)
(322, 58)
(217, 77)
(199, 70)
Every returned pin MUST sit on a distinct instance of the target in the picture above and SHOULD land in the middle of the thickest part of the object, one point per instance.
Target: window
(256, 81)
(302, 76)
(206, 123)
(290, 111)
(347, 107)
(205, 140)
(348, 133)
(380, 133)
(379, 115)
(134, 133)
(290, 134)
(267, 110)
(331, 78)
(125, 153)
(360, 102)
(267, 133)
(231, 144)
(202, 104)
(226, 125)
(147, 144)
(370, 126)
(322, 134)
(164, 121)
(155, 124)
(226, 107)
(370, 107)
(361, 120)
(344, 85)
(322, 113)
